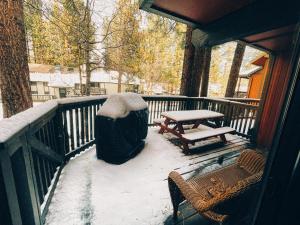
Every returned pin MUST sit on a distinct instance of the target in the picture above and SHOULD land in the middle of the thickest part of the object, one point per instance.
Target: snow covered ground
(91, 191)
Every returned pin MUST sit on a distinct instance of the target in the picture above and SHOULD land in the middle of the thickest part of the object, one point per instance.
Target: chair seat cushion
(212, 184)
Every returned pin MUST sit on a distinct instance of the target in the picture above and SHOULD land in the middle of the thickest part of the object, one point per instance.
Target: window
(46, 88)
(34, 89)
(77, 86)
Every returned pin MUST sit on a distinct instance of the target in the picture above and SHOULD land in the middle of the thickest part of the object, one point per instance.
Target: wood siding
(256, 82)
(274, 100)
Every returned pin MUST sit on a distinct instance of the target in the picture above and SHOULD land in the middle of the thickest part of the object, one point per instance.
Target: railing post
(189, 104)
(10, 213)
(204, 104)
(25, 182)
(227, 114)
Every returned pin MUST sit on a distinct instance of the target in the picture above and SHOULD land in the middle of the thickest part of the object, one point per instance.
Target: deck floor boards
(91, 191)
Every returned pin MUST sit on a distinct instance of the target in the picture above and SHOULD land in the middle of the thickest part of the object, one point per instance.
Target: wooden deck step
(199, 135)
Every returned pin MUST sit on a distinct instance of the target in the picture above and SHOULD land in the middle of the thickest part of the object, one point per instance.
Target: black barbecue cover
(121, 127)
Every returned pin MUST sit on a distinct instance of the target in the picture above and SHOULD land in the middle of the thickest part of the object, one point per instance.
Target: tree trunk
(205, 73)
(14, 71)
(188, 61)
(120, 82)
(79, 69)
(198, 67)
(88, 71)
(235, 69)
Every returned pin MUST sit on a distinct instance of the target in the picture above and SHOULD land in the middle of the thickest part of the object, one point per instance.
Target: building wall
(112, 88)
(41, 88)
(256, 82)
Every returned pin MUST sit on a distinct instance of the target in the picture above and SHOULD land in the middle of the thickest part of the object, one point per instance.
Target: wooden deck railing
(250, 101)
(36, 144)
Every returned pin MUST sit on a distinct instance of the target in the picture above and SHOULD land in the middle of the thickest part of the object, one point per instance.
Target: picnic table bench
(194, 118)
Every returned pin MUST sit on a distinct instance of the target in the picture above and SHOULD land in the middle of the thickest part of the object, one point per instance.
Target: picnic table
(194, 118)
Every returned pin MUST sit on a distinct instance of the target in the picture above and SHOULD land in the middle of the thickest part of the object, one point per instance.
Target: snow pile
(120, 105)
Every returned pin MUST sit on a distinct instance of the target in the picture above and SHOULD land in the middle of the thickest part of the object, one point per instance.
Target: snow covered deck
(91, 191)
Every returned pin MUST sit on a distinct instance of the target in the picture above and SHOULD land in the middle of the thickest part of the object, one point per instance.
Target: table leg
(175, 127)
(185, 146)
(218, 124)
(162, 127)
(180, 128)
(196, 125)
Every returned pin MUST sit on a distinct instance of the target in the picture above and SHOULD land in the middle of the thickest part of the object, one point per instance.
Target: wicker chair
(218, 195)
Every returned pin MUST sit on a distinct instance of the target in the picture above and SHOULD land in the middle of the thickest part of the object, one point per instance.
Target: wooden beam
(148, 6)
(256, 18)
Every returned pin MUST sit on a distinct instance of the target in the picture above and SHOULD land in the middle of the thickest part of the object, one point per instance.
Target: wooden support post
(23, 170)
(205, 73)
(14, 216)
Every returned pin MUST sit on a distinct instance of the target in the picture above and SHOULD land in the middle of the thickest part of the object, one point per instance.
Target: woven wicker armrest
(188, 192)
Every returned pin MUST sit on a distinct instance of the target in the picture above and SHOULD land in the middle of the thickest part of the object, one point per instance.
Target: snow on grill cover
(121, 127)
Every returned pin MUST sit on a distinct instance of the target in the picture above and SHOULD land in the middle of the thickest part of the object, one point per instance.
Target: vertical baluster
(40, 136)
(45, 135)
(155, 109)
(245, 122)
(51, 135)
(239, 123)
(48, 135)
(44, 175)
(253, 117)
(71, 122)
(238, 119)
(48, 172)
(77, 128)
(159, 109)
(234, 118)
(82, 125)
(66, 132)
(94, 119)
(164, 106)
(50, 169)
(55, 147)
(38, 175)
(91, 122)
(151, 113)
(86, 123)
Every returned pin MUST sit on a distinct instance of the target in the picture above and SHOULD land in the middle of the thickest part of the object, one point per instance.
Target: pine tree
(14, 71)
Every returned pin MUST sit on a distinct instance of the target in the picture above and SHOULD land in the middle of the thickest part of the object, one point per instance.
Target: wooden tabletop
(191, 115)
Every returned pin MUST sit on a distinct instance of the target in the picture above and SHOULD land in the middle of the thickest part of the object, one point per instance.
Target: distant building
(49, 82)
(256, 75)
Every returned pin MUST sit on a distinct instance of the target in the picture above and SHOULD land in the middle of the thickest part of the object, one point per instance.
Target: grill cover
(121, 127)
